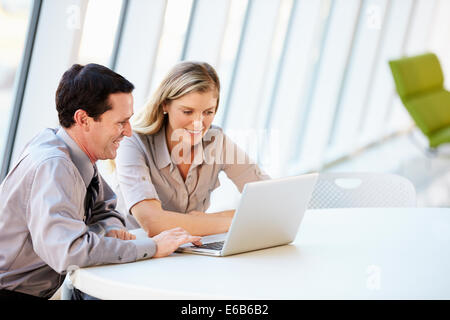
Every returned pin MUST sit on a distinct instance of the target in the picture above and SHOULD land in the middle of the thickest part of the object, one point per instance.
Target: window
(311, 76)
(356, 84)
(14, 18)
(171, 43)
(99, 32)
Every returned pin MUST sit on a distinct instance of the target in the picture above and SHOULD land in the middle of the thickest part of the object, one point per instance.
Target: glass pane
(300, 55)
(420, 29)
(360, 71)
(274, 63)
(14, 17)
(419, 33)
(252, 65)
(314, 132)
(171, 43)
(209, 18)
(227, 58)
(373, 123)
(99, 31)
(439, 35)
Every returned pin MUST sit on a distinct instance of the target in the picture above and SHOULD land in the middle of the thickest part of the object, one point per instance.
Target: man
(56, 211)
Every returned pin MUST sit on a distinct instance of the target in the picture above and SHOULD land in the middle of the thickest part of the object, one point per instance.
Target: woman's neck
(180, 151)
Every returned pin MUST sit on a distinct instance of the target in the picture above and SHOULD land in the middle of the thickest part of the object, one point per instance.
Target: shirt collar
(78, 156)
(162, 151)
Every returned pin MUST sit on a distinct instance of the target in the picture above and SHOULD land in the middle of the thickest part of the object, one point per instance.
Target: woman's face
(190, 117)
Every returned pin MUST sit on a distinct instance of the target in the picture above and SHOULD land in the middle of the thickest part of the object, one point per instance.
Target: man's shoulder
(45, 148)
(48, 145)
(45, 154)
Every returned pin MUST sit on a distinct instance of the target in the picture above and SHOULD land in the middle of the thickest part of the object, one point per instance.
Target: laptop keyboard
(213, 245)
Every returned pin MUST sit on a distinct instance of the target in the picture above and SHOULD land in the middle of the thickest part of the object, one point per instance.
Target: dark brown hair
(88, 88)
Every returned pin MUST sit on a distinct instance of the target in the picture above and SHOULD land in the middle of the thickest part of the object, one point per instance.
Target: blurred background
(306, 84)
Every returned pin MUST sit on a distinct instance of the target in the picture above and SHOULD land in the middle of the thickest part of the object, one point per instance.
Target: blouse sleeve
(133, 173)
(238, 166)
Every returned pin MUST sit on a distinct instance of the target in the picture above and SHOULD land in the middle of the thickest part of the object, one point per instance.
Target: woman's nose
(198, 123)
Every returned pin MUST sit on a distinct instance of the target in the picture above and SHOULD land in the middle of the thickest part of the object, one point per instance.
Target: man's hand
(168, 241)
(120, 234)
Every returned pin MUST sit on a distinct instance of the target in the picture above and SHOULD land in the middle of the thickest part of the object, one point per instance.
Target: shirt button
(144, 255)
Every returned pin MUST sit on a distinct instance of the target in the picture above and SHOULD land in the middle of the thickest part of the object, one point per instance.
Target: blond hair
(183, 78)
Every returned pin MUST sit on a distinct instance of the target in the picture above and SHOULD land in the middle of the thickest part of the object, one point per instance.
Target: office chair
(420, 84)
(362, 190)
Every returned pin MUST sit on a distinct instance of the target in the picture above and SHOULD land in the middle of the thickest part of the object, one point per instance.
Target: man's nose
(127, 131)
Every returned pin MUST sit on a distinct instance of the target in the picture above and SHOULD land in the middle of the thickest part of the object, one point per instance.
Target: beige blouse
(146, 170)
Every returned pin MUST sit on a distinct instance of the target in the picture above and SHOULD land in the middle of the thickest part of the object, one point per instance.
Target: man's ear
(81, 119)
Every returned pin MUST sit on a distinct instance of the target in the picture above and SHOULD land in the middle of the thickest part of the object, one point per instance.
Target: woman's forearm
(226, 213)
(196, 225)
(153, 219)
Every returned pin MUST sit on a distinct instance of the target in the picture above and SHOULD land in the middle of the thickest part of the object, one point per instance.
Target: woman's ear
(165, 108)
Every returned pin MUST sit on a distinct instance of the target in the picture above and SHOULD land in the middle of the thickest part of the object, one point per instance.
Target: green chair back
(417, 75)
(420, 84)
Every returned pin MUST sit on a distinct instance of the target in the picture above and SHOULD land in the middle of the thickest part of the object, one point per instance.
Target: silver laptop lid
(269, 213)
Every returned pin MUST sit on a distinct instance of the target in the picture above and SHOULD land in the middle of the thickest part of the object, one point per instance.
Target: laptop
(268, 215)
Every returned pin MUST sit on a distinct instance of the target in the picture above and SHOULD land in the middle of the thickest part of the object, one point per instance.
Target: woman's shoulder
(140, 137)
(137, 141)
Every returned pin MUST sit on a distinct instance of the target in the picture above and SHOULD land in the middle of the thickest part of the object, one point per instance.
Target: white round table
(376, 253)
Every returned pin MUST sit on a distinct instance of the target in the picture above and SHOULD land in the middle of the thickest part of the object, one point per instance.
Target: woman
(170, 165)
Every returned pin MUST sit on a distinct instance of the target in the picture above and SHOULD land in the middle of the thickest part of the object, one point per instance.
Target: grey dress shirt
(42, 227)
(146, 170)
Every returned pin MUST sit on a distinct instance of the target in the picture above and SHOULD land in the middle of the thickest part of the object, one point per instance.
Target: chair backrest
(420, 84)
(417, 75)
(361, 190)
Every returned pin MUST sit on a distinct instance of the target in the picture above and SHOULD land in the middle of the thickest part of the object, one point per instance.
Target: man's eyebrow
(126, 119)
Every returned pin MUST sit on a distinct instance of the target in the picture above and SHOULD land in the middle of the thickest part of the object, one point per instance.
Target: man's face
(106, 133)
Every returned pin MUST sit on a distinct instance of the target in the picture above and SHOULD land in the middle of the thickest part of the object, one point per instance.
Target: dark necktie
(91, 196)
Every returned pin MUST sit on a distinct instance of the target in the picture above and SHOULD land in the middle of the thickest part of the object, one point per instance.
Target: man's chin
(109, 156)
(112, 156)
